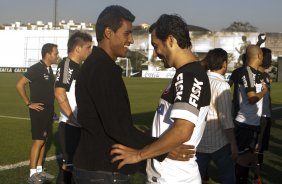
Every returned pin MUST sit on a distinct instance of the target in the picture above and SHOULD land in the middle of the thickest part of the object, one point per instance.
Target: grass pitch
(15, 136)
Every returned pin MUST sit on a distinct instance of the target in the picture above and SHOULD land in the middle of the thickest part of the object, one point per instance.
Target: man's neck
(261, 69)
(74, 58)
(105, 46)
(220, 71)
(184, 57)
(46, 62)
(254, 65)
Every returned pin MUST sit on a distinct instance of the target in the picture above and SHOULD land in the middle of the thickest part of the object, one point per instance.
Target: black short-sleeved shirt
(66, 78)
(250, 81)
(235, 77)
(66, 73)
(104, 115)
(41, 83)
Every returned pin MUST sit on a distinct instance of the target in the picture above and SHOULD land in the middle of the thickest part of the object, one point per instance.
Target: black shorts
(69, 138)
(246, 137)
(41, 122)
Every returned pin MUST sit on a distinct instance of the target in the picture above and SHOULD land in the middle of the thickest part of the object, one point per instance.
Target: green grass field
(15, 137)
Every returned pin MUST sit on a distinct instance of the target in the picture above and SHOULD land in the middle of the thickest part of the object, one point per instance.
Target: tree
(240, 27)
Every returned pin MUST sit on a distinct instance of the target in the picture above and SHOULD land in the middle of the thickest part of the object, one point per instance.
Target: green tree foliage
(240, 27)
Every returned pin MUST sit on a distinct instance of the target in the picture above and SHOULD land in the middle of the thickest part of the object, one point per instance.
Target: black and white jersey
(41, 83)
(250, 80)
(65, 78)
(187, 97)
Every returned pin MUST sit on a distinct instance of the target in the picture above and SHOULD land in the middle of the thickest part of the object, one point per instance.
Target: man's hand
(182, 153)
(264, 86)
(125, 154)
(72, 120)
(36, 106)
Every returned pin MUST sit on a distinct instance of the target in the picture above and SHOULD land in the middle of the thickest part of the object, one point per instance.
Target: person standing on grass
(79, 48)
(103, 105)
(218, 142)
(266, 121)
(41, 107)
(251, 91)
(179, 118)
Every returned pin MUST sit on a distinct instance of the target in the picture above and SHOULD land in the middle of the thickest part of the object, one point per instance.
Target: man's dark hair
(78, 38)
(216, 58)
(152, 27)
(47, 48)
(173, 25)
(112, 17)
(267, 57)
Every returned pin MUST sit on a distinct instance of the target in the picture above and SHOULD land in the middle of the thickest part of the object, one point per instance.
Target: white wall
(22, 48)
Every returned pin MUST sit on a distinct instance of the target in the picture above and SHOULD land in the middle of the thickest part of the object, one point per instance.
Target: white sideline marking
(25, 163)
(14, 117)
(276, 108)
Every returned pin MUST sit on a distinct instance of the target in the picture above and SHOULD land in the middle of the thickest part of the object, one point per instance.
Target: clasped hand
(127, 155)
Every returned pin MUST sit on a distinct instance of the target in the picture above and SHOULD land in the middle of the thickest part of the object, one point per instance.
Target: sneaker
(46, 176)
(35, 179)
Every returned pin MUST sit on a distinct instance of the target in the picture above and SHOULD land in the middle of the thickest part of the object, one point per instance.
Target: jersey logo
(69, 75)
(196, 92)
(179, 87)
(160, 109)
(46, 77)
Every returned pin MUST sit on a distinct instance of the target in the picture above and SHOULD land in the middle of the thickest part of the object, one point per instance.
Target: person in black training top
(79, 48)
(41, 107)
(103, 105)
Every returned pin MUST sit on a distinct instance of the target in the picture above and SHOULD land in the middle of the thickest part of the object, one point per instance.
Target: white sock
(32, 171)
(39, 169)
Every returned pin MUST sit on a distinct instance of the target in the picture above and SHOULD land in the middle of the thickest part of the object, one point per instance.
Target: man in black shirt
(41, 106)
(79, 48)
(103, 105)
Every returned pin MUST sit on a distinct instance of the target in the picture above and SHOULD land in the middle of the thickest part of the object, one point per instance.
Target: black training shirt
(104, 114)
(41, 83)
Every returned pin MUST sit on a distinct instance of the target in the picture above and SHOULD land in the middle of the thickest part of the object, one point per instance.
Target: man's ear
(107, 32)
(171, 40)
(77, 49)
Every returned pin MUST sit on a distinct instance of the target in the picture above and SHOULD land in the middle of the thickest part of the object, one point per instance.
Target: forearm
(178, 134)
(22, 92)
(63, 102)
(255, 97)
(261, 94)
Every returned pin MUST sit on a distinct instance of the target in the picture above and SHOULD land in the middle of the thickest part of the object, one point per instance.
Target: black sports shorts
(246, 137)
(41, 122)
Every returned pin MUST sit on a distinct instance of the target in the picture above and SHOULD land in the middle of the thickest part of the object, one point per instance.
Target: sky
(214, 15)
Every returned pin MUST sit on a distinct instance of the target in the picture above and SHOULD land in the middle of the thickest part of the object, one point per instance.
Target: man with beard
(182, 109)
